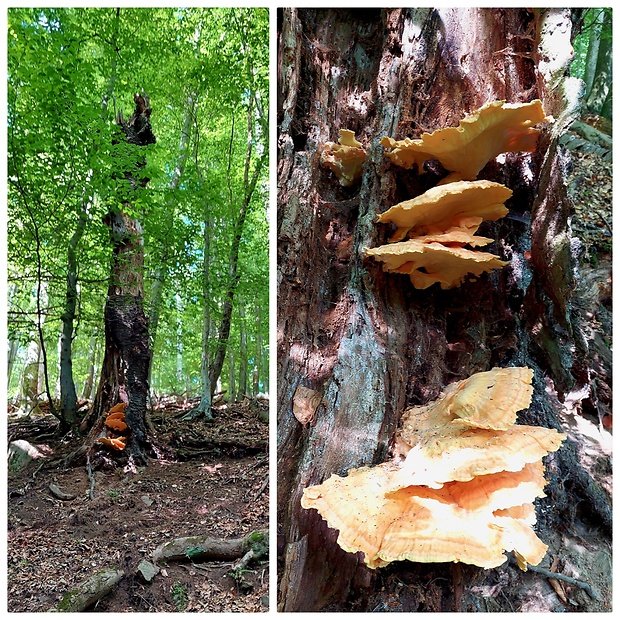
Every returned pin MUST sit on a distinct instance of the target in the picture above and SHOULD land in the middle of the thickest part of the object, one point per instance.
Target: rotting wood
(58, 493)
(205, 548)
(87, 593)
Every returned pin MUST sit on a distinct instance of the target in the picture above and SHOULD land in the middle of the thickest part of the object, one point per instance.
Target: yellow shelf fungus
(428, 262)
(461, 205)
(344, 159)
(463, 493)
(495, 128)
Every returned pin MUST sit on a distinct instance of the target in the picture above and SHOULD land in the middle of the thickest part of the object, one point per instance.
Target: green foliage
(588, 30)
(70, 71)
(179, 596)
(192, 552)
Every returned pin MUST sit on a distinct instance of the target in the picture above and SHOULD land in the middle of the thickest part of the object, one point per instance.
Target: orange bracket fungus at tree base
(115, 444)
(495, 128)
(115, 421)
(344, 159)
(116, 424)
(465, 490)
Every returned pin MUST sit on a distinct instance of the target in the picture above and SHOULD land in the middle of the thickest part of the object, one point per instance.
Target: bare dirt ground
(219, 489)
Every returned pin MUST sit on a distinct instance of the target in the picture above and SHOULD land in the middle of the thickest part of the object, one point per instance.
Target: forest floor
(216, 485)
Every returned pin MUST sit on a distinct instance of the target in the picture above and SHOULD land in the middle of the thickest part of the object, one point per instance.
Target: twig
(259, 462)
(244, 561)
(262, 489)
(89, 471)
(592, 593)
(611, 232)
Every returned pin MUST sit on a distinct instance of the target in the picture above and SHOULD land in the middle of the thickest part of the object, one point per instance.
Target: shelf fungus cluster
(345, 159)
(460, 487)
(435, 233)
(439, 224)
(115, 428)
(495, 128)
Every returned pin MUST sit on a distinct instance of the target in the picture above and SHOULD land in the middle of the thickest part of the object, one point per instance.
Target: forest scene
(138, 309)
(444, 335)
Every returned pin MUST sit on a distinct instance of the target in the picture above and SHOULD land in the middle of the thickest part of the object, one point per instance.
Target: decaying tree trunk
(125, 367)
(368, 342)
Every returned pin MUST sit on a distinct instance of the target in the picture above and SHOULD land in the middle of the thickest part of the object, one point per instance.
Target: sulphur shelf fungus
(465, 489)
(344, 159)
(461, 205)
(428, 262)
(495, 128)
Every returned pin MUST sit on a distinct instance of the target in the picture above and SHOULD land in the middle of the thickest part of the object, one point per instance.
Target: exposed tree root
(592, 593)
(87, 593)
(254, 546)
(204, 548)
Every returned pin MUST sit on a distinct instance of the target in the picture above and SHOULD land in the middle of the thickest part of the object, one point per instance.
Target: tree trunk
(124, 373)
(232, 379)
(68, 395)
(13, 348)
(594, 40)
(601, 84)
(243, 352)
(258, 353)
(27, 397)
(369, 342)
(250, 178)
(90, 376)
(159, 277)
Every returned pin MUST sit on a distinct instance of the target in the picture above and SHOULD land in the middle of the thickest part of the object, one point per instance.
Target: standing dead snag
(124, 373)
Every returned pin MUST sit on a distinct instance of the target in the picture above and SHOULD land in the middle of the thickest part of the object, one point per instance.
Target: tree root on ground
(204, 548)
(254, 546)
(87, 593)
(592, 592)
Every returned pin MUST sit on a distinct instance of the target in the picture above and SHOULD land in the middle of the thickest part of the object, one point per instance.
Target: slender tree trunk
(368, 342)
(232, 378)
(90, 375)
(249, 185)
(68, 394)
(206, 394)
(28, 390)
(243, 352)
(258, 353)
(206, 390)
(13, 348)
(594, 40)
(159, 276)
(601, 84)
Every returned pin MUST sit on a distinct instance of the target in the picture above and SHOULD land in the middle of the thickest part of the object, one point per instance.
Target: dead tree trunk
(368, 342)
(124, 373)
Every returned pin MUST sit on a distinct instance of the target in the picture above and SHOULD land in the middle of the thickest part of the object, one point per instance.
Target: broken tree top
(460, 489)
(138, 128)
